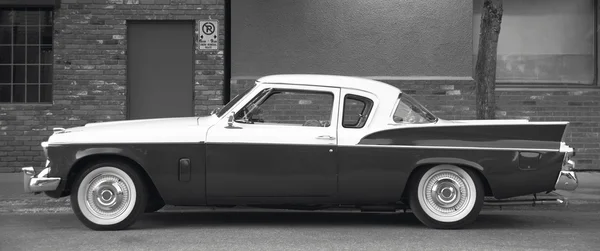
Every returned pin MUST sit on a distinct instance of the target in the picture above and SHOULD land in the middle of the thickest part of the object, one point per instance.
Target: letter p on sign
(208, 34)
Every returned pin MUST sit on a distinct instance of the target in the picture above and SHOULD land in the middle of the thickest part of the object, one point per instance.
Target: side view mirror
(230, 119)
(230, 122)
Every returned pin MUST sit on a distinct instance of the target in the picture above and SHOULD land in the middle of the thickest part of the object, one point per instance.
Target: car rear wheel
(108, 196)
(446, 196)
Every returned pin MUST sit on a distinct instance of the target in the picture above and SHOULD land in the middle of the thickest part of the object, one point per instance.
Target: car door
(282, 142)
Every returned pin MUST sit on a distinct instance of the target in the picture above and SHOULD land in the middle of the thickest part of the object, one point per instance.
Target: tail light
(568, 164)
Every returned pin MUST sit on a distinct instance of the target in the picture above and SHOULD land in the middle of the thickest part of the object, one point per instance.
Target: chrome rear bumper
(567, 180)
(38, 183)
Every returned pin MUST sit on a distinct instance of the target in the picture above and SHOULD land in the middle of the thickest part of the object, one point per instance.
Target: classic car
(306, 142)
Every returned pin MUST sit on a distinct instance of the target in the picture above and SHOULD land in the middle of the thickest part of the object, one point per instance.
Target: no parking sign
(208, 35)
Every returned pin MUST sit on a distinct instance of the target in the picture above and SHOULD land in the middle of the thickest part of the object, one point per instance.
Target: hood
(161, 122)
(162, 130)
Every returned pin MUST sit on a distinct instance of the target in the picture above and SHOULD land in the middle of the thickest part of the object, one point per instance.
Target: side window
(409, 111)
(289, 107)
(356, 111)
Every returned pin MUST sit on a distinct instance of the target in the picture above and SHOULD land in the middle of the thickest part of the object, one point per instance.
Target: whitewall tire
(446, 196)
(108, 196)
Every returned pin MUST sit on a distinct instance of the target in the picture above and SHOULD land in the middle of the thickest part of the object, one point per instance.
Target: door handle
(326, 137)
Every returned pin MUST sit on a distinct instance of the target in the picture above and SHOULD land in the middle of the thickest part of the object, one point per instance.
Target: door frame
(217, 134)
(127, 72)
(256, 90)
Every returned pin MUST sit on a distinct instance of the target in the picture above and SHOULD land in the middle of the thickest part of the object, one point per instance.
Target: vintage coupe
(304, 142)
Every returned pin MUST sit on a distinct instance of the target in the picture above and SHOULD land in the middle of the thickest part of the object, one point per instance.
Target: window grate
(26, 55)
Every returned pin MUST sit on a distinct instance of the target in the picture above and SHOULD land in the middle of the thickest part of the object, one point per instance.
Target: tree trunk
(485, 71)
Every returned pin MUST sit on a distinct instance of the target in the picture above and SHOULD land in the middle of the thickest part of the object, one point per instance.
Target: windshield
(228, 106)
(411, 112)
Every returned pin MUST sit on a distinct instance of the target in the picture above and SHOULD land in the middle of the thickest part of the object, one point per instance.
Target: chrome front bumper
(38, 183)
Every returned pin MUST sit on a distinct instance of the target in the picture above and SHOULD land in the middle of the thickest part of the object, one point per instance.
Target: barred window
(26, 55)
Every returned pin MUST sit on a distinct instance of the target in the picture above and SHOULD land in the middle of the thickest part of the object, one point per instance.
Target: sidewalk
(12, 197)
(588, 189)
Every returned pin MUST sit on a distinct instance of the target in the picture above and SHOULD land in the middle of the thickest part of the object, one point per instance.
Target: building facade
(66, 63)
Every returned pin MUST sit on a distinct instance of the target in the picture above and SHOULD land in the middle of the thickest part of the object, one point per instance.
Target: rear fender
(454, 161)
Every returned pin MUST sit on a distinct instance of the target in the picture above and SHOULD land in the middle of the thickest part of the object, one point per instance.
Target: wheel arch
(84, 161)
(431, 162)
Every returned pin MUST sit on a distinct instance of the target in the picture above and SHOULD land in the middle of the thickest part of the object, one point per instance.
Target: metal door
(160, 69)
(270, 160)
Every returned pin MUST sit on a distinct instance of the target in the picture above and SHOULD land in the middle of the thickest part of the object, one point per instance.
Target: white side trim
(462, 148)
(491, 122)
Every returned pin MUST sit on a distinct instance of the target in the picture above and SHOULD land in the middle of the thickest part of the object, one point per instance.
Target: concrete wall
(90, 69)
(352, 37)
(544, 40)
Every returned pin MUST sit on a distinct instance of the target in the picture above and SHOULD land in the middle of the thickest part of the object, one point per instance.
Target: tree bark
(485, 70)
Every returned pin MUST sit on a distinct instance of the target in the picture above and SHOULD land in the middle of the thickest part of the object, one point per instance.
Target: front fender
(160, 161)
(63, 158)
(133, 153)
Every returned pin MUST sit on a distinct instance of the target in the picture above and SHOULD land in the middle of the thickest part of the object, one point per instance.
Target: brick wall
(90, 55)
(455, 99)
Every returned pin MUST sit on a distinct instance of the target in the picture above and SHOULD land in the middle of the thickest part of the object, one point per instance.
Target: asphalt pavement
(37, 222)
(268, 230)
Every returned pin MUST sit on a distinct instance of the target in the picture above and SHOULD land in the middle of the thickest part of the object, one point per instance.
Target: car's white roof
(358, 83)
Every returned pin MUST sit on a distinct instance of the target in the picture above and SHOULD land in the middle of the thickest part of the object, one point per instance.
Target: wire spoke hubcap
(107, 196)
(446, 193)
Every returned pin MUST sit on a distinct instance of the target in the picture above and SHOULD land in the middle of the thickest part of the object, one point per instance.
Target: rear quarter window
(356, 111)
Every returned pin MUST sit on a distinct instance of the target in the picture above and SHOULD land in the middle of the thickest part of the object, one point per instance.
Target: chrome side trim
(460, 123)
(567, 180)
(39, 183)
(532, 202)
(463, 148)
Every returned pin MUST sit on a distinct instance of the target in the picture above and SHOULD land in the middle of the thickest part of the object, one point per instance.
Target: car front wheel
(446, 196)
(108, 196)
